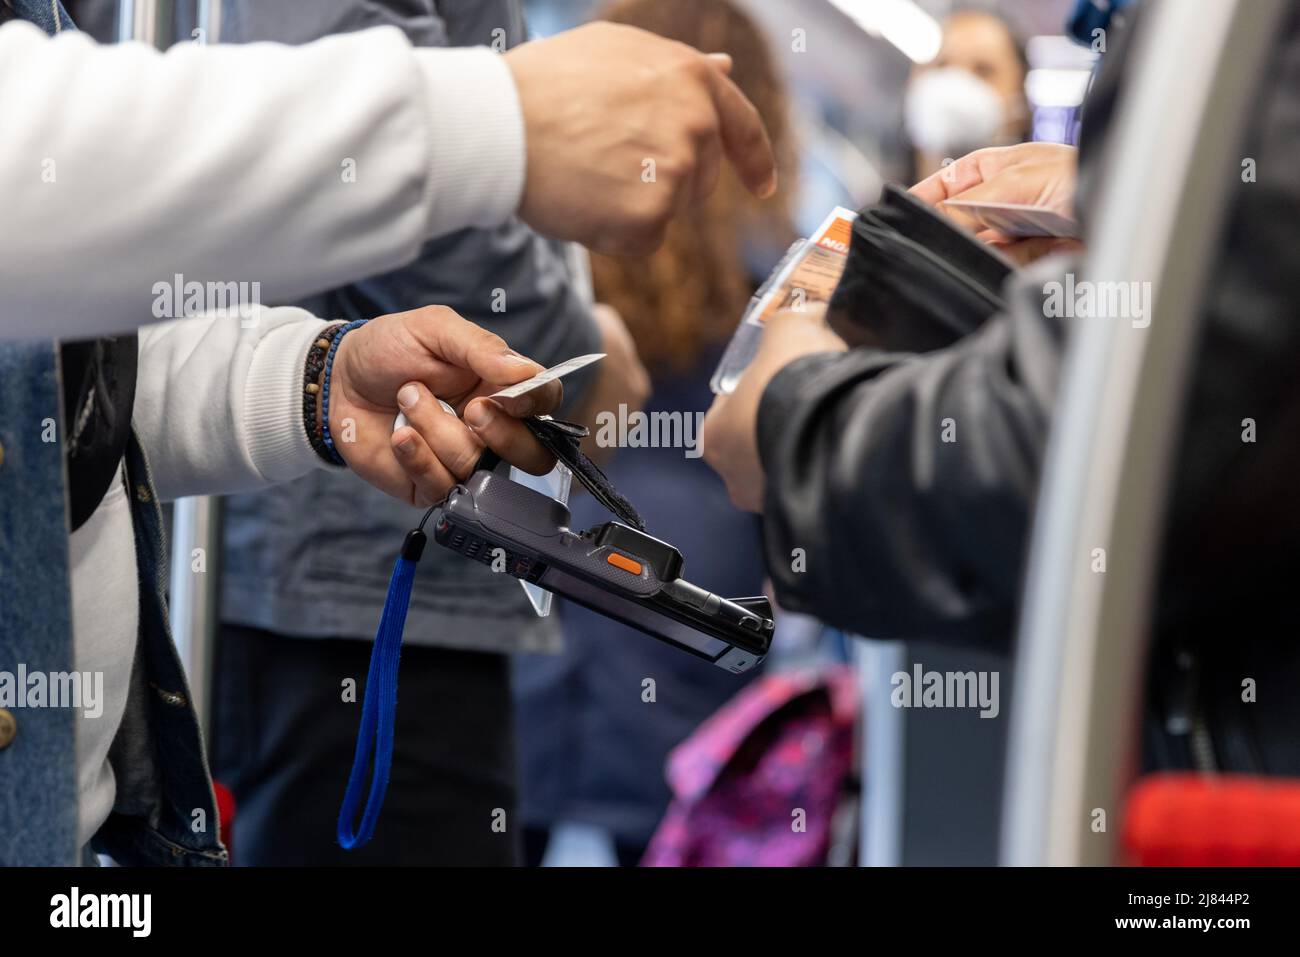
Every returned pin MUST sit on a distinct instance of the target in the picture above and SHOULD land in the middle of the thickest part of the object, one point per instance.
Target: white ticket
(547, 375)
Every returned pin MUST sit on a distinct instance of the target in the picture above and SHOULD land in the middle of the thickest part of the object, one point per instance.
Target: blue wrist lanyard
(379, 704)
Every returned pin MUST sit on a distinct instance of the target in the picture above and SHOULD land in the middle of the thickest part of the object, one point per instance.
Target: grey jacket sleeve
(508, 279)
(899, 485)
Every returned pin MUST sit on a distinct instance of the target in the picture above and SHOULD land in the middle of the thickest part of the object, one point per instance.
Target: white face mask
(950, 112)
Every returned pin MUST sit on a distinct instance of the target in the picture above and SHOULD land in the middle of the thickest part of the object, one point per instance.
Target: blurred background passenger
(971, 95)
(839, 448)
(592, 746)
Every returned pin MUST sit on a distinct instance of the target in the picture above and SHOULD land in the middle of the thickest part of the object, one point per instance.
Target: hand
(408, 361)
(600, 103)
(1032, 174)
(629, 380)
(730, 435)
(621, 379)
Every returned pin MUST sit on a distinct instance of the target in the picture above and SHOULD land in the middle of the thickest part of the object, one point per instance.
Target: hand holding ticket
(528, 385)
(548, 375)
(1016, 220)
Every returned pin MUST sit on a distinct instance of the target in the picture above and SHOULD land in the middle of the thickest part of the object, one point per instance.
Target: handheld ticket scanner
(611, 568)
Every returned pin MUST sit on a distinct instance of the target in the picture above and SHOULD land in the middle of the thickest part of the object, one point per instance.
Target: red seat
(225, 812)
(1185, 820)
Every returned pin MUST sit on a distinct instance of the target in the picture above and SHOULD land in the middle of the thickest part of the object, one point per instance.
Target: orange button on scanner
(623, 562)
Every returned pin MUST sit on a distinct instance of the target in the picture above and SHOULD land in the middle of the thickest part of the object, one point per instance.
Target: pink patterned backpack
(765, 781)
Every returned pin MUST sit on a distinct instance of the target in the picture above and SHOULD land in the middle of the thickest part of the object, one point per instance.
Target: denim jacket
(165, 811)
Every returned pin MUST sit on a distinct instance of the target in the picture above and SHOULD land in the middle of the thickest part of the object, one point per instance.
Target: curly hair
(688, 296)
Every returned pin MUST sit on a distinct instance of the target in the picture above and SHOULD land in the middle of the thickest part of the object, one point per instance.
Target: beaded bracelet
(326, 438)
(311, 388)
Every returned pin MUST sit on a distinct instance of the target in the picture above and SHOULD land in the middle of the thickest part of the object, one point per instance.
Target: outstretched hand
(1030, 174)
(623, 129)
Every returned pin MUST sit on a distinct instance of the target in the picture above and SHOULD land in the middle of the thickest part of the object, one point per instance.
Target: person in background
(841, 450)
(592, 745)
(307, 615)
(971, 95)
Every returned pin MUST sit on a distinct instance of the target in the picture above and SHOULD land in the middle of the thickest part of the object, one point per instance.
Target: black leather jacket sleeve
(899, 485)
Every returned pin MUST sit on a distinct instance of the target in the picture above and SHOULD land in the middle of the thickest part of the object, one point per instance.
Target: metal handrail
(196, 522)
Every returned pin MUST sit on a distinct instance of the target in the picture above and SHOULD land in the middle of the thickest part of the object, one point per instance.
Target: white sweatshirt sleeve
(218, 403)
(299, 168)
